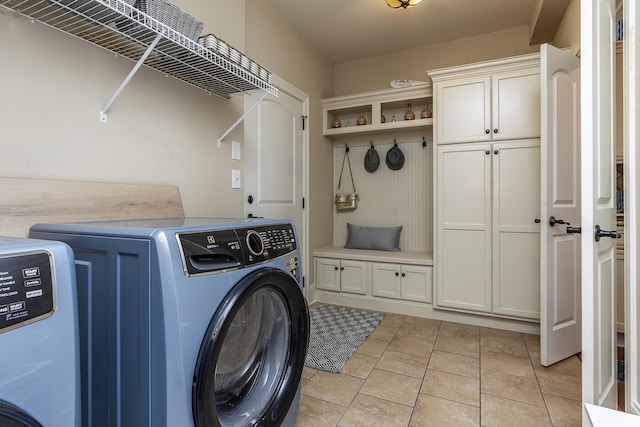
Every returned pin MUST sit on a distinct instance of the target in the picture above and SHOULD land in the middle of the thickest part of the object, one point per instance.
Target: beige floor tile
(432, 411)
(560, 385)
(391, 386)
(458, 345)
(368, 411)
(453, 387)
(451, 329)
(403, 363)
(359, 365)
(569, 366)
(564, 412)
(500, 412)
(384, 333)
(411, 345)
(513, 345)
(308, 372)
(522, 389)
(492, 332)
(392, 320)
(458, 364)
(506, 363)
(335, 388)
(427, 333)
(532, 342)
(318, 413)
(372, 347)
(422, 321)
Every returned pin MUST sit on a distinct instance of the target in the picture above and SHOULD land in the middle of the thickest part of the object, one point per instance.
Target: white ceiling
(350, 29)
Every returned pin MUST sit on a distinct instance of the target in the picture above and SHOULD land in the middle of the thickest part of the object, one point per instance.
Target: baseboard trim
(420, 310)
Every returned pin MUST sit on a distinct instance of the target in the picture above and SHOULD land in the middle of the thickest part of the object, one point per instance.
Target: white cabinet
(487, 240)
(496, 101)
(341, 275)
(382, 110)
(408, 282)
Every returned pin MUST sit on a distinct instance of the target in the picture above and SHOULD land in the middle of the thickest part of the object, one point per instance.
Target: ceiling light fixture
(397, 4)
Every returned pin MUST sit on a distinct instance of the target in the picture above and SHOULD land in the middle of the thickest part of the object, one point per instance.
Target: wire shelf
(115, 25)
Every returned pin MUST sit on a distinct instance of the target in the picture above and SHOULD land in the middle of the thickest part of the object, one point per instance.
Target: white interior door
(598, 203)
(275, 159)
(632, 209)
(560, 309)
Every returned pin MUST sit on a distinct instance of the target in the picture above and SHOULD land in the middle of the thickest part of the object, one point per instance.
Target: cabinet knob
(487, 131)
(341, 268)
(403, 274)
(397, 274)
(495, 131)
(495, 151)
(487, 152)
(537, 221)
(336, 268)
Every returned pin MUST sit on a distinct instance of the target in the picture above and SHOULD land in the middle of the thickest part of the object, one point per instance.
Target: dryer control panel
(26, 289)
(215, 250)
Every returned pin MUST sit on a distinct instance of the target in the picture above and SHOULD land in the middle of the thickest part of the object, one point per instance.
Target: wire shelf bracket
(103, 112)
(246, 113)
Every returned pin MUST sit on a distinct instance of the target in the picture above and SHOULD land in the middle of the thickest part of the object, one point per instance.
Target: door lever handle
(553, 221)
(604, 233)
(574, 230)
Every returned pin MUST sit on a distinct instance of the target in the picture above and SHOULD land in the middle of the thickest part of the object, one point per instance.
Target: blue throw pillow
(377, 238)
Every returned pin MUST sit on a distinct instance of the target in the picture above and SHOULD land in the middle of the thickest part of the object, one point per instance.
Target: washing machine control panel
(216, 250)
(26, 289)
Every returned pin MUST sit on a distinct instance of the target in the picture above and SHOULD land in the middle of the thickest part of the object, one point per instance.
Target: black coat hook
(346, 148)
(424, 143)
(395, 144)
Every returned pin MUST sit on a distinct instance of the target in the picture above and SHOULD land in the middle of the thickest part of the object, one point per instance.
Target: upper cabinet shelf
(118, 27)
(391, 104)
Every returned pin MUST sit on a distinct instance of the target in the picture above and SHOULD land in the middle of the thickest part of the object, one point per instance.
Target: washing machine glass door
(252, 356)
(12, 416)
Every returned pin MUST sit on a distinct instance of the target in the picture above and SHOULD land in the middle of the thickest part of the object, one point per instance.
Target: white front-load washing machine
(188, 322)
(39, 350)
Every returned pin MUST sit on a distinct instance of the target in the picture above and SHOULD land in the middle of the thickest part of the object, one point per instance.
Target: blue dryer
(39, 357)
(188, 322)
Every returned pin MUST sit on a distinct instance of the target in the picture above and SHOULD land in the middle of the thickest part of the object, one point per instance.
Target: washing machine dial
(255, 243)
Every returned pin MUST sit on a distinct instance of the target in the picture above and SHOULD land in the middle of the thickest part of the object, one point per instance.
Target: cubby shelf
(389, 102)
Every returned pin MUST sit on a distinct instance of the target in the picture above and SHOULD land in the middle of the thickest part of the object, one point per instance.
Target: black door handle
(603, 233)
(574, 230)
(250, 199)
(553, 221)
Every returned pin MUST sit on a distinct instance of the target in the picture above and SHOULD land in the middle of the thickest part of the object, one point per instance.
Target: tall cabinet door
(516, 235)
(463, 227)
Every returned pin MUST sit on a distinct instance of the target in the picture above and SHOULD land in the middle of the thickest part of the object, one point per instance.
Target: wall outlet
(235, 178)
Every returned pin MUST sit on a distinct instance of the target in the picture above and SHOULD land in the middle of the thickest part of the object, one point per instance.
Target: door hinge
(303, 203)
(304, 120)
(620, 366)
(304, 282)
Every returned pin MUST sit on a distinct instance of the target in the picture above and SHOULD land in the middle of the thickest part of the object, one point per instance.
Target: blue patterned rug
(336, 333)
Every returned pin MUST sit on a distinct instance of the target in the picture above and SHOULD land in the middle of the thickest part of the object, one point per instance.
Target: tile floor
(422, 372)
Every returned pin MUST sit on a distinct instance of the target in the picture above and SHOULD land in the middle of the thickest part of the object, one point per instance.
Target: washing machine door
(12, 416)
(251, 360)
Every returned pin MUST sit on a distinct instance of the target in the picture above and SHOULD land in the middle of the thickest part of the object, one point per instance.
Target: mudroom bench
(399, 282)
